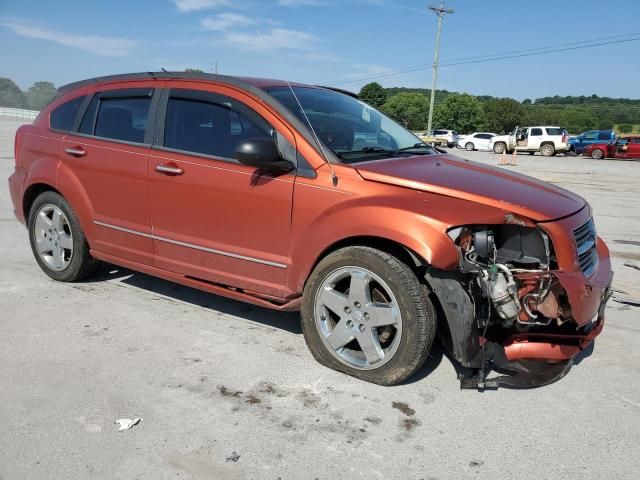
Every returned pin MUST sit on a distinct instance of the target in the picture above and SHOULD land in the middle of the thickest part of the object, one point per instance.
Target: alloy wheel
(53, 237)
(358, 317)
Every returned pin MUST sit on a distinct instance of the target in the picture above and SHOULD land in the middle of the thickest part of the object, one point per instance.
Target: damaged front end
(525, 300)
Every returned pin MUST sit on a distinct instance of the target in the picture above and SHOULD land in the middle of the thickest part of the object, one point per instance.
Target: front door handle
(76, 152)
(167, 170)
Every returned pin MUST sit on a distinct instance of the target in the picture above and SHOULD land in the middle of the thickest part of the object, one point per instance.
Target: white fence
(18, 113)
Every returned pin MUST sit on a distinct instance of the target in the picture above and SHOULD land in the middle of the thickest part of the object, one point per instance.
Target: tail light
(565, 138)
(18, 142)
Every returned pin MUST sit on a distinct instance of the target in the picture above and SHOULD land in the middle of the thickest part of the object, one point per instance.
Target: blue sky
(328, 42)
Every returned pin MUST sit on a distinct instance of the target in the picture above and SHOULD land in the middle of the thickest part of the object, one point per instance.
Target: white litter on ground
(127, 423)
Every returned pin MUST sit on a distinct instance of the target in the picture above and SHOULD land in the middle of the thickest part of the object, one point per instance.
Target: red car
(295, 197)
(624, 147)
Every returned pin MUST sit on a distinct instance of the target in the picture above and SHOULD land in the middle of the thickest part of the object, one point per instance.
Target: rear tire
(499, 147)
(469, 147)
(597, 154)
(57, 240)
(336, 326)
(547, 150)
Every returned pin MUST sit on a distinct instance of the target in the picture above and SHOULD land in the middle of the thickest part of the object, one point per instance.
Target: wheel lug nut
(366, 316)
(347, 310)
(357, 304)
(349, 323)
(323, 317)
(361, 327)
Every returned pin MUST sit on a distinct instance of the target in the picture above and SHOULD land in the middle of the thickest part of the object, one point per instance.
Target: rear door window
(536, 132)
(123, 119)
(63, 116)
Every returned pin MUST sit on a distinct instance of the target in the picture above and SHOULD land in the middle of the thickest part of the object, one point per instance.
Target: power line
(490, 58)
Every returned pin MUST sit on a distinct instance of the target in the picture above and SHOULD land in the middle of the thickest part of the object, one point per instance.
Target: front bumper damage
(524, 357)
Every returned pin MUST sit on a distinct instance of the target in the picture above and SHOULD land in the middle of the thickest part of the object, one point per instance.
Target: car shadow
(286, 321)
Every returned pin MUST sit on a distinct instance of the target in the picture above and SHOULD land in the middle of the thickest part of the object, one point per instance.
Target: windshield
(353, 130)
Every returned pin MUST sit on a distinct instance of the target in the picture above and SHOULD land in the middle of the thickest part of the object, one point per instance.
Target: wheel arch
(32, 192)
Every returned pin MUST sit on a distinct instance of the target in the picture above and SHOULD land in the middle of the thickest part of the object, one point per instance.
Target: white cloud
(196, 5)
(301, 3)
(226, 21)
(278, 38)
(98, 45)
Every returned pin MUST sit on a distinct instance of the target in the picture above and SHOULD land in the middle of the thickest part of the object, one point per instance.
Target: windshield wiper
(376, 150)
(415, 147)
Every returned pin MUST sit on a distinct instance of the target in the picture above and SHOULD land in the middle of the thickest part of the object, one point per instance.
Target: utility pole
(440, 11)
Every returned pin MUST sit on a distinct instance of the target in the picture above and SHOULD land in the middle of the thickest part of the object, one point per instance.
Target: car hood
(456, 177)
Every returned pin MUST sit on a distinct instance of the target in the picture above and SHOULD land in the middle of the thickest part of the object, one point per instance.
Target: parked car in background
(475, 141)
(623, 147)
(451, 136)
(430, 139)
(304, 198)
(579, 142)
(546, 140)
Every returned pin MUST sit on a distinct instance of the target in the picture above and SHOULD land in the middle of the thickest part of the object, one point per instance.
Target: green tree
(409, 109)
(10, 94)
(577, 120)
(502, 115)
(625, 128)
(193, 70)
(461, 112)
(374, 94)
(526, 101)
(39, 94)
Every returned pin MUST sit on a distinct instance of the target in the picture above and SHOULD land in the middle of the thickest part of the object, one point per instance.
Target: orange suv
(297, 197)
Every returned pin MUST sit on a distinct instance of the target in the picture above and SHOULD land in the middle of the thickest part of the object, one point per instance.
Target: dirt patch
(225, 392)
(404, 408)
(410, 423)
(252, 399)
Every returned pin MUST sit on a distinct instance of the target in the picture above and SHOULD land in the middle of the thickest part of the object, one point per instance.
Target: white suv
(450, 136)
(546, 140)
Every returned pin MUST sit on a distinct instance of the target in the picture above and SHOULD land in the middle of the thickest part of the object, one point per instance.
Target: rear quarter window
(555, 131)
(63, 116)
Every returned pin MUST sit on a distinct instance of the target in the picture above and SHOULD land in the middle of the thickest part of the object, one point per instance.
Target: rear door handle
(75, 152)
(167, 170)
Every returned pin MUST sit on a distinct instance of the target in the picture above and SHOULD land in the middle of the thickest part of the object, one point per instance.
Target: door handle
(75, 152)
(169, 170)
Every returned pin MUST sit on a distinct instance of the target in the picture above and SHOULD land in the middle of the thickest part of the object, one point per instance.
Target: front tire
(364, 313)
(597, 154)
(469, 147)
(57, 240)
(499, 148)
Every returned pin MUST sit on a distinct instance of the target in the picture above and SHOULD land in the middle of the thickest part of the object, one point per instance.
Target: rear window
(555, 131)
(123, 118)
(62, 117)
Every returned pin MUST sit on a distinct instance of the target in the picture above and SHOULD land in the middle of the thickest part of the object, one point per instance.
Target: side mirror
(262, 153)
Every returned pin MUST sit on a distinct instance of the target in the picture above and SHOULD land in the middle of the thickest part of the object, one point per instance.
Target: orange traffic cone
(503, 159)
(514, 158)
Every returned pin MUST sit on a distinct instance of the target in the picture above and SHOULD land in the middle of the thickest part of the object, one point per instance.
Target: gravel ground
(229, 391)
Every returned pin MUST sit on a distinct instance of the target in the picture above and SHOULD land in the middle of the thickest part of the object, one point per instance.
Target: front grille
(585, 237)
